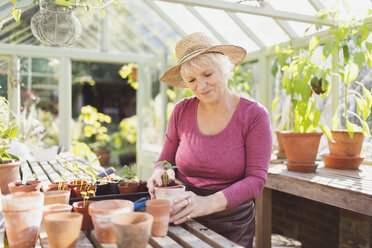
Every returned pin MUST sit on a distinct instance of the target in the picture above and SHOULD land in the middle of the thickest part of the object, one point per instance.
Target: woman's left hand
(184, 207)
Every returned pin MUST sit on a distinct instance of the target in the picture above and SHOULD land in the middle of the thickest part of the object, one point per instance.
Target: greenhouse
(82, 105)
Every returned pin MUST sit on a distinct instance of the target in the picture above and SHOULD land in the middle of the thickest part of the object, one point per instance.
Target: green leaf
(13, 2)
(316, 117)
(273, 105)
(328, 48)
(103, 13)
(326, 131)
(363, 32)
(63, 3)
(369, 46)
(314, 41)
(16, 14)
(359, 59)
(345, 50)
(351, 72)
(360, 105)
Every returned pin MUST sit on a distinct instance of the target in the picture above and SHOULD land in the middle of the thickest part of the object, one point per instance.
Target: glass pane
(265, 28)
(303, 29)
(227, 28)
(298, 6)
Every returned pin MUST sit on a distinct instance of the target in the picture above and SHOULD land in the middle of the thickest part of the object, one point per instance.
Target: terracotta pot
(79, 207)
(160, 210)
(76, 183)
(128, 187)
(56, 196)
(113, 186)
(342, 162)
(280, 153)
(58, 186)
(134, 73)
(22, 212)
(29, 187)
(301, 149)
(63, 229)
(85, 188)
(132, 230)
(9, 173)
(343, 145)
(56, 208)
(169, 193)
(103, 155)
(102, 212)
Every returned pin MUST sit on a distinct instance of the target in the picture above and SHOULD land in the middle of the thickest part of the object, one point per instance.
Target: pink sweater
(235, 160)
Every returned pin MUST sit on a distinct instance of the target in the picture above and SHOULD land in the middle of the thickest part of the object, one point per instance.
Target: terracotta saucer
(342, 162)
(307, 168)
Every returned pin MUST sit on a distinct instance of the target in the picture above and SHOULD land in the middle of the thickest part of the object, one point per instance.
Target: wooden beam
(241, 8)
(318, 5)
(73, 53)
(263, 216)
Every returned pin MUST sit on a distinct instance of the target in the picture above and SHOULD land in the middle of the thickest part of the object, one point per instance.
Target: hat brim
(173, 76)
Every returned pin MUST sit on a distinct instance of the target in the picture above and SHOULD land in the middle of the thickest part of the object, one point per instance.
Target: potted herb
(130, 184)
(345, 142)
(9, 163)
(169, 189)
(82, 207)
(300, 75)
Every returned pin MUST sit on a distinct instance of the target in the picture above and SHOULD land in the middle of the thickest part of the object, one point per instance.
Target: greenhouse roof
(151, 27)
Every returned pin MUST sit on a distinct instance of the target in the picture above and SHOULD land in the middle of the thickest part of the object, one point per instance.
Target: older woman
(221, 142)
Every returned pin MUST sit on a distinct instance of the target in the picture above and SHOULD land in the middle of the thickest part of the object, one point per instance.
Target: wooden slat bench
(346, 189)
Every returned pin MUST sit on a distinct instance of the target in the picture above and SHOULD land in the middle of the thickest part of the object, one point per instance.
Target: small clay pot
(102, 212)
(169, 193)
(280, 153)
(63, 229)
(81, 207)
(56, 208)
(56, 196)
(90, 189)
(8, 173)
(113, 186)
(22, 212)
(128, 187)
(102, 188)
(76, 183)
(344, 146)
(29, 187)
(160, 210)
(58, 186)
(132, 230)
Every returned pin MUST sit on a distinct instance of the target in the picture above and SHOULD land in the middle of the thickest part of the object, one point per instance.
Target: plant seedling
(166, 165)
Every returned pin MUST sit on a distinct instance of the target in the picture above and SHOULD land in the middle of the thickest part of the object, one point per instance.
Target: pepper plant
(350, 50)
(301, 78)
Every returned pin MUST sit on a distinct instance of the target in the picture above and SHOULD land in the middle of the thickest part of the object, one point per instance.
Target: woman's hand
(156, 179)
(190, 205)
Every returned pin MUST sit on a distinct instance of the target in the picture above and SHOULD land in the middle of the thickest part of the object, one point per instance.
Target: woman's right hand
(156, 180)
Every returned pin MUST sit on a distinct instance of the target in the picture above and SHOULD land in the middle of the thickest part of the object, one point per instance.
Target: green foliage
(127, 72)
(301, 77)
(95, 133)
(241, 81)
(8, 130)
(130, 172)
(165, 166)
(126, 137)
(350, 43)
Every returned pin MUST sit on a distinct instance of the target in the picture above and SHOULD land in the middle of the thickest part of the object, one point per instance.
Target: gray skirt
(235, 224)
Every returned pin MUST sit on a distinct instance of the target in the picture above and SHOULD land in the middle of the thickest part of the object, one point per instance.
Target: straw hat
(196, 44)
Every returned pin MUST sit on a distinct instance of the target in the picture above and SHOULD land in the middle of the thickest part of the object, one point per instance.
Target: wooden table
(189, 234)
(347, 189)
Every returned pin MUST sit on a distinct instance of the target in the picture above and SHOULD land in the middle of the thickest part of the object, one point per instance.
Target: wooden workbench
(346, 189)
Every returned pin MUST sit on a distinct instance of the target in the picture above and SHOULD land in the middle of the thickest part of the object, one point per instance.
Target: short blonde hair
(218, 59)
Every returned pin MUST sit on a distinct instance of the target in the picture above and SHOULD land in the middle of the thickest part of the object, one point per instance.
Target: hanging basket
(55, 25)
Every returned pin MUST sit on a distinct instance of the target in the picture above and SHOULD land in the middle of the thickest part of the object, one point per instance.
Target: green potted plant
(302, 79)
(169, 189)
(9, 163)
(131, 183)
(82, 207)
(349, 126)
(95, 133)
